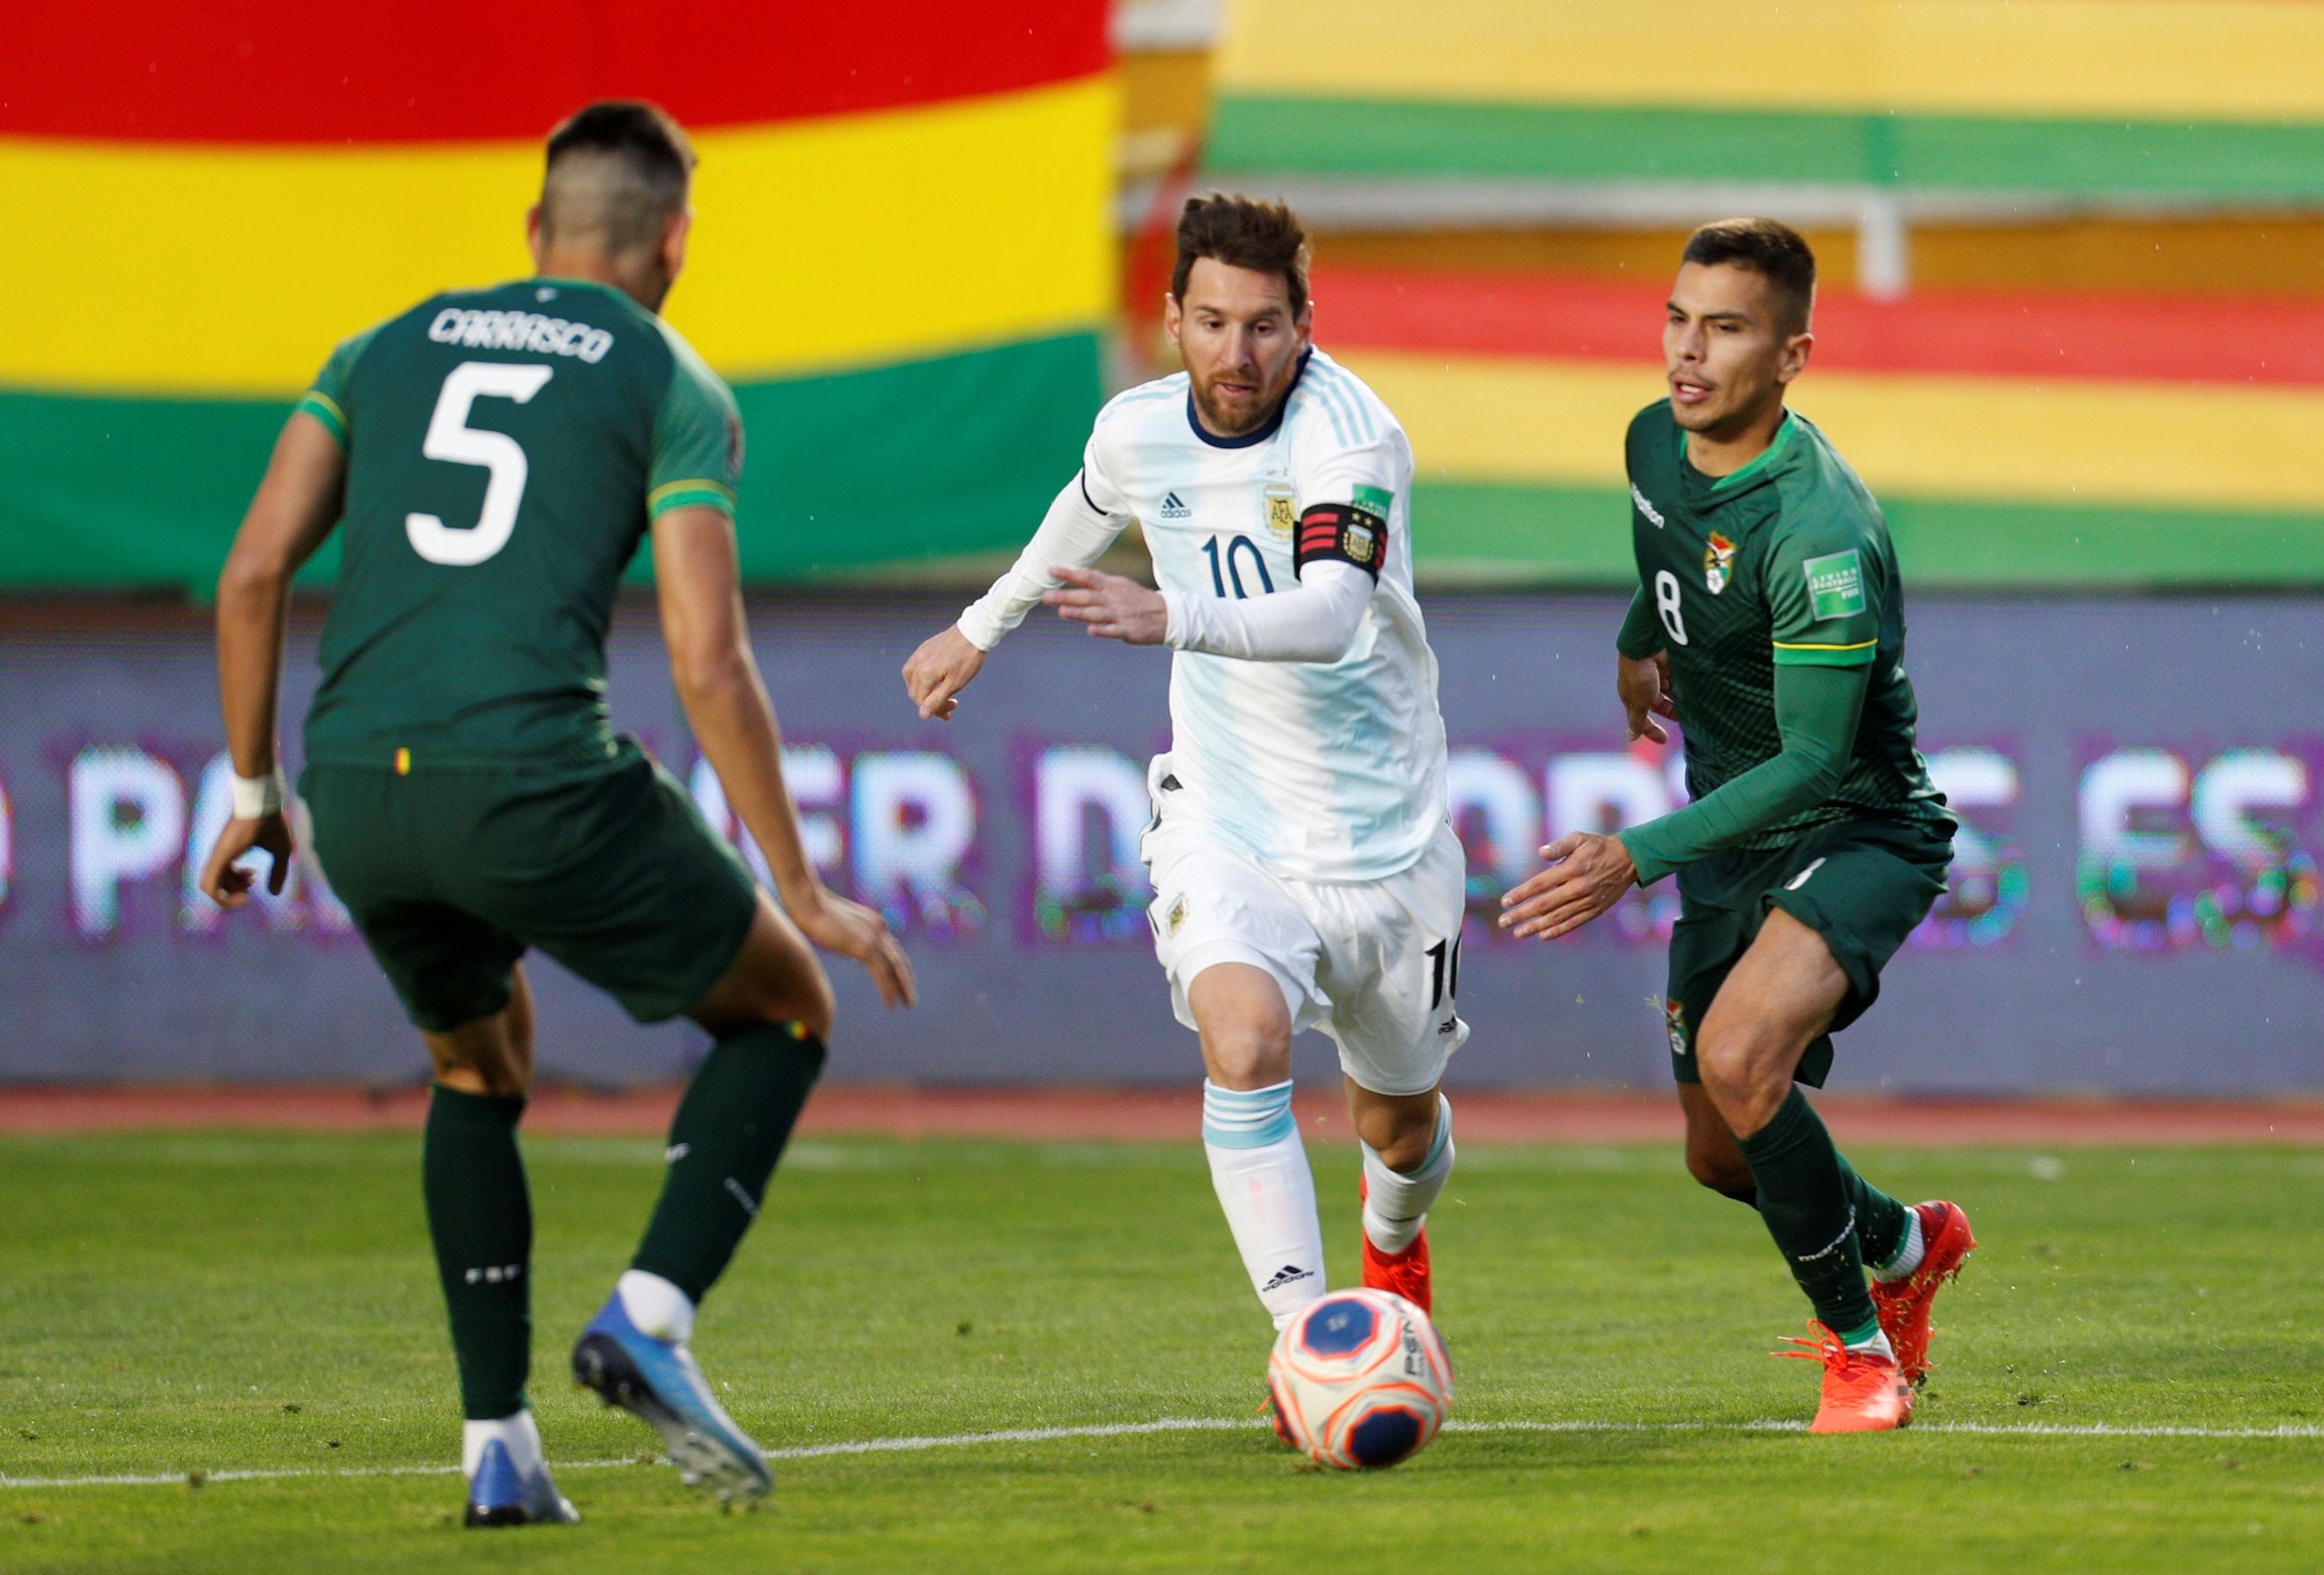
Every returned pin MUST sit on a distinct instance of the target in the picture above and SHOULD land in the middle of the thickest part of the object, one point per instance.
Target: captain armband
(1342, 533)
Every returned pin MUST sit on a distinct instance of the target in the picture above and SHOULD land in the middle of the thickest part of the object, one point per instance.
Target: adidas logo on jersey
(1648, 510)
(1173, 507)
(1290, 1274)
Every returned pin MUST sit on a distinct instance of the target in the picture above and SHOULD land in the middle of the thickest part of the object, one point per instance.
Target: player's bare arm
(718, 683)
(297, 505)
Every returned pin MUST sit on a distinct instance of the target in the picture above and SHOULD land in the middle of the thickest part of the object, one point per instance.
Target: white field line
(882, 1446)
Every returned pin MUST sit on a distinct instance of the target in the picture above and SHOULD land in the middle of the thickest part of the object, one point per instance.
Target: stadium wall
(902, 258)
(2134, 908)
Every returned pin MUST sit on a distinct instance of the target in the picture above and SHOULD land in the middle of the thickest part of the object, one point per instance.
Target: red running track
(1146, 1115)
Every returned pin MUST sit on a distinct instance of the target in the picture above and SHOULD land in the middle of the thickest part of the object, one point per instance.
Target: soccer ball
(1359, 1379)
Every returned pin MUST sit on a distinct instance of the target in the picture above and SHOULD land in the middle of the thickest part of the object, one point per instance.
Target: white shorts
(1374, 964)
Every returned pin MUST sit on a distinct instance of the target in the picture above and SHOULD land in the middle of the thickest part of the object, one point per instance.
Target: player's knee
(1245, 1055)
(809, 1002)
(773, 995)
(1736, 1061)
(480, 1066)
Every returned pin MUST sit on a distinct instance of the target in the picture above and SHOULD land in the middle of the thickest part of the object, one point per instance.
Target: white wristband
(255, 798)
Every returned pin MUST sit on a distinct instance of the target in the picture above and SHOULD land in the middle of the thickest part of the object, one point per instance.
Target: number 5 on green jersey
(450, 438)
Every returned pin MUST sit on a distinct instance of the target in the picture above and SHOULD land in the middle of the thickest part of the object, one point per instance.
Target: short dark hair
(646, 152)
(1242, 232)
(1775, 252)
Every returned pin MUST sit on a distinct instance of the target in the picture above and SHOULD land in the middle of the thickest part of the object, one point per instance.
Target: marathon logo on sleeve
(479, 330)
(1342, 533)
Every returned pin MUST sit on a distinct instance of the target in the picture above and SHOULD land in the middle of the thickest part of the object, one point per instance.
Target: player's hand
(1113, 607)
(1645, 687)
(226, 882)
(853, 930)
(939, 670)
(1587, 875)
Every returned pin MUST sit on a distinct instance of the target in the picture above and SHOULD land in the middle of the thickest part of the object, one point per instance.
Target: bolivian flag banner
(901, 256)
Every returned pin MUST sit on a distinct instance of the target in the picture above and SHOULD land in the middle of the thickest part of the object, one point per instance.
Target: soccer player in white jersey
(1306, 873)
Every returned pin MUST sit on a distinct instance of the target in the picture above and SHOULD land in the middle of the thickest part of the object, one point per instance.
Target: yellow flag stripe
(1479, 418)
(2225, 60)
(817, 245)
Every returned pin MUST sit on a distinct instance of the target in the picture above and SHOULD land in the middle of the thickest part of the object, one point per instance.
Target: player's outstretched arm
(1817, 709)
(1073, 534)
(297, 505)
(699, 584)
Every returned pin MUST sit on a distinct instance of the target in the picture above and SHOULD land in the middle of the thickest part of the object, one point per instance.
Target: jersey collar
(1265, 429)
(1735, 480)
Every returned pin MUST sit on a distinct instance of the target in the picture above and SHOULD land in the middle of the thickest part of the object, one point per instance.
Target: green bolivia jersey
(506, 450)
(1786, 560)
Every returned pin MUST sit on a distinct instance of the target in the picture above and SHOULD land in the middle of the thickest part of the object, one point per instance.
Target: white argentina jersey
(1322, 771)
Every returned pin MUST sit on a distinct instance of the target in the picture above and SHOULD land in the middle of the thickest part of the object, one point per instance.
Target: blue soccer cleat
(657, 1382)
(501, 1495)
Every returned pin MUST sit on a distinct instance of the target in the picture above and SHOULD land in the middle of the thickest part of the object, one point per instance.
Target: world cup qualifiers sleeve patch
(1342, 533)
(1835, 584)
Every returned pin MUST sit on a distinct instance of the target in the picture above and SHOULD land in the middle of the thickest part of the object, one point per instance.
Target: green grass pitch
(222, 1302)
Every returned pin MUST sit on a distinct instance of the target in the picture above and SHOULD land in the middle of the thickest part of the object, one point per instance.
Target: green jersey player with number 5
(490, 460)
(1769, 623)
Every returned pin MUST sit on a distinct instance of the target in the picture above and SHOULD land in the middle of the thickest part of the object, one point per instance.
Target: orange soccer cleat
(1863, 1392)
(1946, 1243)
(1405, 1274)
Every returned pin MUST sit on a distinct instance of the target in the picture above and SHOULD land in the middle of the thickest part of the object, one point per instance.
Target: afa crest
(1361, 545)
(1282, 512)
(1718, 563)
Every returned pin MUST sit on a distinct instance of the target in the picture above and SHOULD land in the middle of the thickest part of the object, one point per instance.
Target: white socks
(1397, 1202)
(656, 1306)
(1258, 1168)
(1909, 1256)
(518, 1433)
(1877, 1342)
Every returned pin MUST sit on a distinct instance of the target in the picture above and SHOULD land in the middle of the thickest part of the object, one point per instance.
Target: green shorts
(1860, 884)
(450, 874)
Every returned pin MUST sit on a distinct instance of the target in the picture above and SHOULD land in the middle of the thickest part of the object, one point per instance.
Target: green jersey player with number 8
(491, 460)
(1769, 622)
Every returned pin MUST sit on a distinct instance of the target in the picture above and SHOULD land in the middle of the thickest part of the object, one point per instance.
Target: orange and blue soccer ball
(1359, 1380)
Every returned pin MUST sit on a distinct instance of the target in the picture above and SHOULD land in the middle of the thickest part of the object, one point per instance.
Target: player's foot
(501, 1495)
(1946, 1243)
(657, 1382)
(1405, 1274)
(1863, 1392)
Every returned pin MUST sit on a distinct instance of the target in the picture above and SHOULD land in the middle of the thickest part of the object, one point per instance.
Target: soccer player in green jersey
(1769, 623)
(490, 459)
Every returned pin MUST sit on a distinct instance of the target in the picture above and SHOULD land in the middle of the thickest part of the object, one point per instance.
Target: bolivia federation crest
(1718, 563)
(1675, 1021)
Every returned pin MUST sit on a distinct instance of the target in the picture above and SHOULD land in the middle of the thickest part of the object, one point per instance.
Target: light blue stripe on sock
(1247, 1117)
(1443, 1140)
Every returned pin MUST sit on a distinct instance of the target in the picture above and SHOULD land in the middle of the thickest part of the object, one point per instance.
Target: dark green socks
(480, 1216)
(1880, 1219)
(1805, 1198)
(729, 1130)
